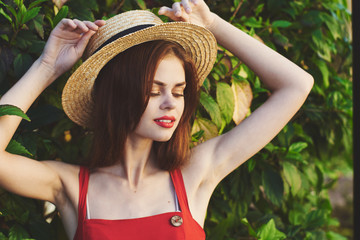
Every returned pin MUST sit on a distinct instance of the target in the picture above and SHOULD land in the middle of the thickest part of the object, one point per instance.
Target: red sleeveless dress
(165, 226)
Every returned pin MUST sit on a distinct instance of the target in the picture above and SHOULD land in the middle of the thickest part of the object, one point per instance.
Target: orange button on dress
(165, 226)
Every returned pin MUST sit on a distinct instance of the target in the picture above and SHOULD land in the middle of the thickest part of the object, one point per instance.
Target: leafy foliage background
(282, 192)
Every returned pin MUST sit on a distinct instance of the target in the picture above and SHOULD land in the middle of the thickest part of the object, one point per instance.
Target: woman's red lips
(165, 121)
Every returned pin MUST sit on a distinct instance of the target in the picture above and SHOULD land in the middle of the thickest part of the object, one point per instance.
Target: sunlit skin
(166, 99)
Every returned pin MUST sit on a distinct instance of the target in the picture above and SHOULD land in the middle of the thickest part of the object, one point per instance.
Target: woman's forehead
(170, 71)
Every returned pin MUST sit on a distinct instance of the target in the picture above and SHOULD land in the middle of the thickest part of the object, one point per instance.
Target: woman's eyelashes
(154, 94)
(176, 93)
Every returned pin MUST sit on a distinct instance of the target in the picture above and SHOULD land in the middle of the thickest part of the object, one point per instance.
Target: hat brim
(197, 41)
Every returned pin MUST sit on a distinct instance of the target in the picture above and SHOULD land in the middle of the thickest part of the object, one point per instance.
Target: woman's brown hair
(121, 93)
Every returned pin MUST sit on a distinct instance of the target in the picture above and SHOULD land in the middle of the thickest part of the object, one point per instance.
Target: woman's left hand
(192, 11)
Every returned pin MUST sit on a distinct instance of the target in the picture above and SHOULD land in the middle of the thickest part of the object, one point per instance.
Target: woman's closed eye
(153, 94)
(177, 94)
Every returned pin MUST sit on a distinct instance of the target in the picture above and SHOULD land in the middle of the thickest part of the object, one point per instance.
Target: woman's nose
(169, 102)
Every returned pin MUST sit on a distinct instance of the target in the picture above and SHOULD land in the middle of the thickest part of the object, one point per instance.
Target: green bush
(282, 192)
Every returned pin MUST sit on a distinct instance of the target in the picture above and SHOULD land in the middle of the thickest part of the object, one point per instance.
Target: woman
(131, 194)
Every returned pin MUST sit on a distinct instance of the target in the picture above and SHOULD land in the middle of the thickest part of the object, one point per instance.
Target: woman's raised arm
(212, 160)
(64, 47)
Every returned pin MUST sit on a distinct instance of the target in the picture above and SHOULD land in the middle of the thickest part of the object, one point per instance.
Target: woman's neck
(138, 160)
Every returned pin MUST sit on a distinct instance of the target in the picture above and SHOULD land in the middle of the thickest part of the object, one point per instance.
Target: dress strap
(178, 182)
(83, 187)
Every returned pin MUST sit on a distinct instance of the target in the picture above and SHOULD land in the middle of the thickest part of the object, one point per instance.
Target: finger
(177, 9)
(81, 27)
(186, 6)
(165, 11)
(91, 25)
(195, 2)
(169, 12)
(66, 23)
(100, 23)
(81, 45)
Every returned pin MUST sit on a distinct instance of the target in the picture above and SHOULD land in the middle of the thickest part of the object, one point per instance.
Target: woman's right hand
(67, 43)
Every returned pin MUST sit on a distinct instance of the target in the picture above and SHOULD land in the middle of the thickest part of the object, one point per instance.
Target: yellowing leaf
(243, 73)
(225, 99)
(209, 128)
(59, 4)
(243, 97)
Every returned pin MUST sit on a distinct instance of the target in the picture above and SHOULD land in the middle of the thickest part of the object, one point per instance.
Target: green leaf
(141, 4)
(60, 15)
(31, 14)
(273, 186)
(5, 37)
(2, 236)
(206, 85)
(324, 72)
(315, 235)
(22, 63)
(196, 136)
(334, 236)
(236, 3)
(296, 217)
(296, 156)
(251, 164)
(18, 232)
(43, 115)
(20, 15)
(35, 3)
(315, 219)
(12, 110)
(334, 100)
(298, 147)
(332, 25)
(281, 40)
(322, 47)
(292, 176)
(15, 147)
(281, 24)
(269, 231)
(252, 22)
(211, 107)
(10, 8)
(225, 99)
(5, 15)
(250, 228)
(19, 3)
(259, 9)
(39, 25)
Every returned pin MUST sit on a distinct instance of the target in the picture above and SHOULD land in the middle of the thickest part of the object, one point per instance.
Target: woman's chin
(162, 138)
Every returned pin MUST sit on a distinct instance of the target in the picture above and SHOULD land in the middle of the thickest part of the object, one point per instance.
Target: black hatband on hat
(124, 33)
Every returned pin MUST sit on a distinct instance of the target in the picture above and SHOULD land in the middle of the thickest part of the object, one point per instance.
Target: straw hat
(122, 32)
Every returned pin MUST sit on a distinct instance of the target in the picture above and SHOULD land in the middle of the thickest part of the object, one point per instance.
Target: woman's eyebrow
(157, 82)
